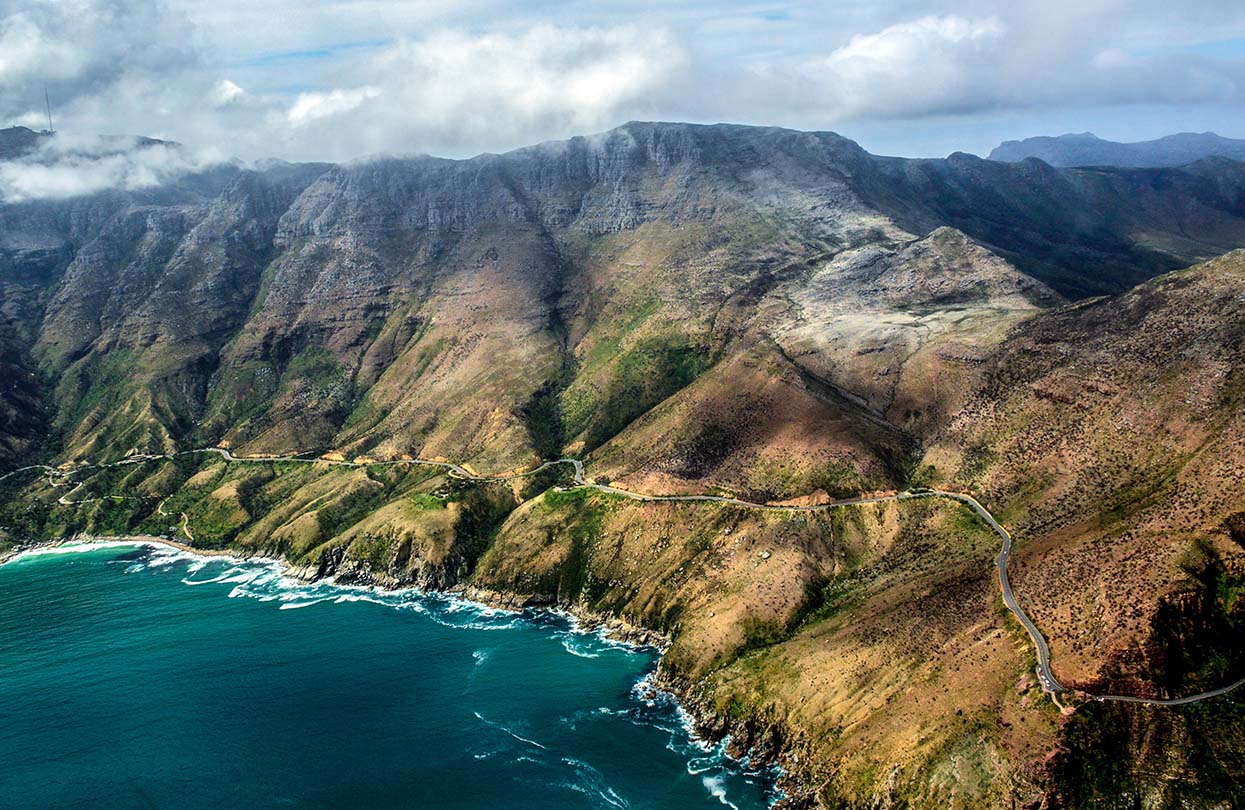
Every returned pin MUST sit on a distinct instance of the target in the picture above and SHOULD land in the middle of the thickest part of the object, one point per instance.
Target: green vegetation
(644, 376)
(316, 367)
(919, 476)
(827, 597)
(424, 500)
(581, 514)
(375, 550)
(555, 475)
(428, 354)
(343, 512)
(606, 349)
(484, 507)
(568, 497)
(542, 416)
(366, 415)
(839, 480)
(785, 478)
(976, 461)
(98, 380)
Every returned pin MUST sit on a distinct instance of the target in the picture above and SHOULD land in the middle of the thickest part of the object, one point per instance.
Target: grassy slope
(825, 622)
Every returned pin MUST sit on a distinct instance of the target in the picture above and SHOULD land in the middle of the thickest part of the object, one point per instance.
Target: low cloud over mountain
(338, 81)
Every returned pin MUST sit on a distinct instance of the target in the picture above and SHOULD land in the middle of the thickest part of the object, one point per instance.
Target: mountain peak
(18, 141)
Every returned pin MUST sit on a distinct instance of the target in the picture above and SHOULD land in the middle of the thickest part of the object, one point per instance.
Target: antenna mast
(48, 104)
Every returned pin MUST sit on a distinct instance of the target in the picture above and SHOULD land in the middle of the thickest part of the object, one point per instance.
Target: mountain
(16, 142)
(772, 315)
(446, 307)
(1086, 149)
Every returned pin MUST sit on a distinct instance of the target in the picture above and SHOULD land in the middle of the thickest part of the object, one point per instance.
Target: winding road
(1050, 684)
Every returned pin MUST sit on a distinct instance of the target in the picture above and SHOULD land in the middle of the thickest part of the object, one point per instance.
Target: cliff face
(490, 308)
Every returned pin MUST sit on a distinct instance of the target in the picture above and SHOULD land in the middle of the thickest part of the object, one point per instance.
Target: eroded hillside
(508, 307)
(754, 312)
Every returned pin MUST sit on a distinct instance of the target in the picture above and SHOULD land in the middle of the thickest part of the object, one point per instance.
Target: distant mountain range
(1087, 149)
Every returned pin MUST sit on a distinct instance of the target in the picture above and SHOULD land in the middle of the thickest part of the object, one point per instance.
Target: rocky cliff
(490, 309)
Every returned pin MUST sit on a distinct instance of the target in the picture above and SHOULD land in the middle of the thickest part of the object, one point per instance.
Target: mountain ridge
(754, 312)
(1086, 149)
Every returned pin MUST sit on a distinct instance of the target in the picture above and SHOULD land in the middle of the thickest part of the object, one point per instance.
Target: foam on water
(716, 786)
(76, 548)
(591, 782)
(508, 730)
(268, 581)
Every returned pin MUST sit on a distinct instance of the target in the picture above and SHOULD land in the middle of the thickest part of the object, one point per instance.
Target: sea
(147, 677)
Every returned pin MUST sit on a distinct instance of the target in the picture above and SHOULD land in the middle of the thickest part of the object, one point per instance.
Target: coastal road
(1046, 676)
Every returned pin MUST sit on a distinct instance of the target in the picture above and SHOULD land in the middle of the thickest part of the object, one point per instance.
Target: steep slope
(1081, 231)
(595, 295)
(1110, 436)
(867, 642)
(1086, 149)
(151, 287)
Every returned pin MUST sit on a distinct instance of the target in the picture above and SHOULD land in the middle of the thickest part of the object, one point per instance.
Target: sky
(340, 79)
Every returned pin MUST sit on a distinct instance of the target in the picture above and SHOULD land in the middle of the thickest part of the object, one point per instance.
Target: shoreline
(704, 726)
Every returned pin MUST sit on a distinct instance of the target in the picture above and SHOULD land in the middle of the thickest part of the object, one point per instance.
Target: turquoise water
(129, 678)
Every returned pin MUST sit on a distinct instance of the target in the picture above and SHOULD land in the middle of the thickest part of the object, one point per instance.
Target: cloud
(545, 76)
(64, 166)
(227, 92)
(336, 79)
(949, 65)
(933, 64)
(456, 92)
(142, 67)
(314, 106)
(84, 47)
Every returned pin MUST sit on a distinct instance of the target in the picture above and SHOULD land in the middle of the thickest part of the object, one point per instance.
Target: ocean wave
(716, 786)
(77, 548)
(508, 730)
(708, 760)
(268, 580)
(299, 605)
(571, 645)
(592, 782)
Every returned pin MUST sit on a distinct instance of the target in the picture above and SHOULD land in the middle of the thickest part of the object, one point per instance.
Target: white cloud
(83, 47)
(314, 106)
(27, 54)
(456, 92)
(545, 76)
(226, 92)
(335, 79)
(953, 65)
(66, 166)
(929, 64)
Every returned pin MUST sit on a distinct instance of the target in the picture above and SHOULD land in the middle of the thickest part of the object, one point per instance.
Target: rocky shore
(762, 743)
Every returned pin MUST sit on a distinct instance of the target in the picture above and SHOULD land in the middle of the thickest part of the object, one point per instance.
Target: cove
(129, 678)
